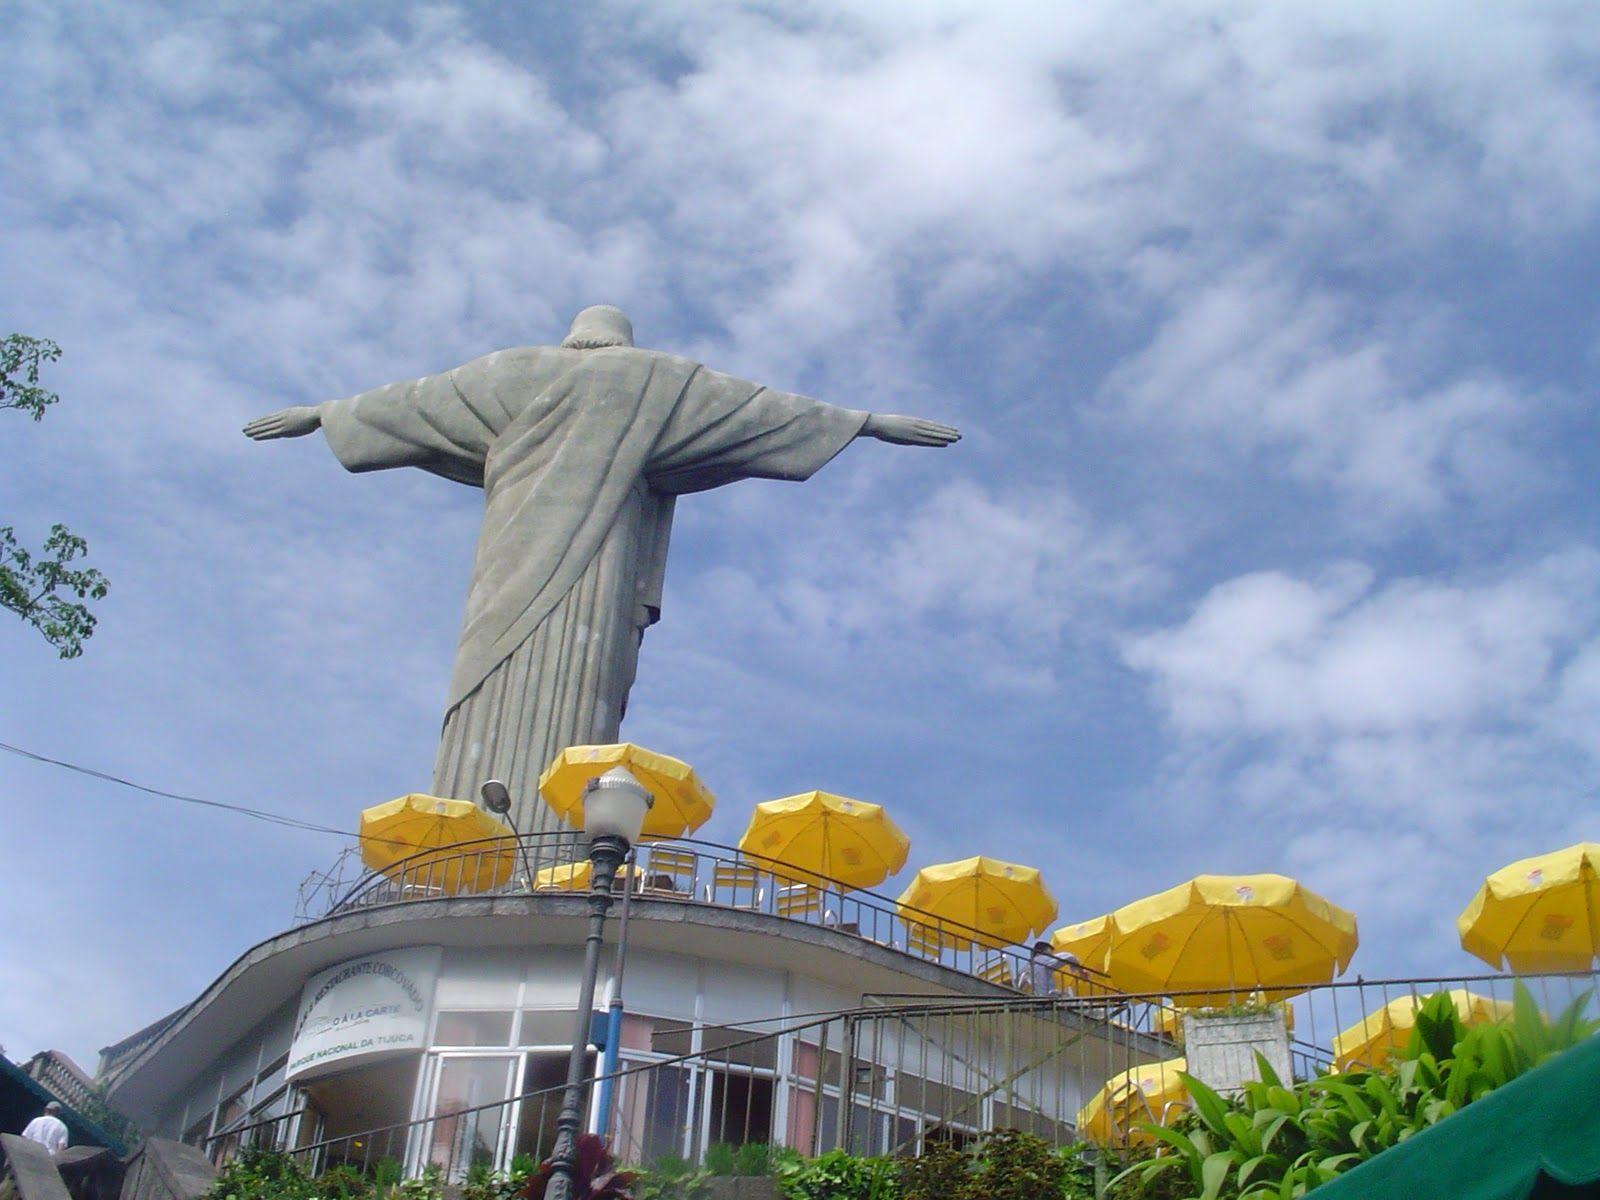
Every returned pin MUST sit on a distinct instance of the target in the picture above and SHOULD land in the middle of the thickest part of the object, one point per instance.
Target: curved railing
(691, 871)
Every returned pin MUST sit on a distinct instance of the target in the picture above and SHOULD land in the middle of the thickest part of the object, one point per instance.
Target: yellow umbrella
(1087, 941)
(395, 835)
(828, 839)
(1149, 1092)
(1220, 937)
(1371, 1041)
(1538, 914)
(570, 877)
(1002, 900)
(681, 802)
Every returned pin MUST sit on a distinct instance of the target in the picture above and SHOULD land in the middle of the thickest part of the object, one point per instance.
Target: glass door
(461, 1132)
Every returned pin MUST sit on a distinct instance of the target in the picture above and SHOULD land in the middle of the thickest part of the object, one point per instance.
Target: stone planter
(1221, 1050)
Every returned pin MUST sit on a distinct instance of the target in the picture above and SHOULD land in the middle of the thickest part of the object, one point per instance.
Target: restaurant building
(410, 1023)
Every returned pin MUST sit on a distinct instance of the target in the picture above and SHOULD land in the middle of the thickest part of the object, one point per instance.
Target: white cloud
(969, 210)
(1393, 742)
(1247, 363)
(1268, 654)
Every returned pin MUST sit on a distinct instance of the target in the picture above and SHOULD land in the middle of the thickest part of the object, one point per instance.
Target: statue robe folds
(580, 454)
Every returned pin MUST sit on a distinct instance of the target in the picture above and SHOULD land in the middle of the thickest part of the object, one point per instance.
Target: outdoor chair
(930, 942)
(996, 968)
(669, 870)
(737, 885)
(798, 901)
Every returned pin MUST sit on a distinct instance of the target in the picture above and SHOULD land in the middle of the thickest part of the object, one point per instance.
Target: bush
(1273, 1140)
(837, 1175)
(257, 1174)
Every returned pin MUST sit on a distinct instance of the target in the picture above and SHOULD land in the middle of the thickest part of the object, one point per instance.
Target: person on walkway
(48, 1129)
(1043, 966)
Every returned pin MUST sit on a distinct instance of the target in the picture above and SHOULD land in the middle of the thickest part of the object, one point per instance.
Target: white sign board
(377, 1004)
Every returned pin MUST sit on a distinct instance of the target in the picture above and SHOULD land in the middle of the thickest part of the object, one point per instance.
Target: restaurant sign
(377, 1004)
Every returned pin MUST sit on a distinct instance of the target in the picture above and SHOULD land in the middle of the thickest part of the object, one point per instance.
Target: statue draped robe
(581, 454)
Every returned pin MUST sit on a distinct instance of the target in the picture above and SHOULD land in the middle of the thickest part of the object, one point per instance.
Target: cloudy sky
(1271, 545)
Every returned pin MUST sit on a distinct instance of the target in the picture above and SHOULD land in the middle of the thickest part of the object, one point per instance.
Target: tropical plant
(594, 1174)
(1272, 1140)
(938, 1173)
(261, 1174)
(484, 1183)
(838, 1175)
(256, 1174)
(673, 1178)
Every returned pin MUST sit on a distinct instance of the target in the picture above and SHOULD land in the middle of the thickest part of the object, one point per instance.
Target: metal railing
(887, 1078)
(690, 871)
(890, 1077)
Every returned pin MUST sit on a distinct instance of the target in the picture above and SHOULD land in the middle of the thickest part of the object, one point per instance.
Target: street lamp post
(614, 807)
(497, 799)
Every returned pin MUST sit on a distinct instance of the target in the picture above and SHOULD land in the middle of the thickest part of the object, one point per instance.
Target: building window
(546, 1027)
(473, 1029)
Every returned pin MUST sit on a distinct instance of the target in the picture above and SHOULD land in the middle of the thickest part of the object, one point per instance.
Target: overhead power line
(258, 814)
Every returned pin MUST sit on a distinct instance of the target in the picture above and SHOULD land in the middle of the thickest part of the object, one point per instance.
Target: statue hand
(909, 431)
(286, 422)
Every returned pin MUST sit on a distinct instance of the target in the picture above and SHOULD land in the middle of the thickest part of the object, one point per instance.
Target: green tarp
(1537, 1138)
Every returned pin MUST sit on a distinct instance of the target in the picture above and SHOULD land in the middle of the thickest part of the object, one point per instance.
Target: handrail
(721, 875)
(950, 1063)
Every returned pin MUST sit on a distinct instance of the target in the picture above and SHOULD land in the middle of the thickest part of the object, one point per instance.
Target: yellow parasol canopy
(1218, 938)
(1149, 1092)
(828, 839)
(1372, 1040)
(1538, 914)
(1004, 901)
(1087, 941)
(395, 835)
(681, 802)
(571, 877)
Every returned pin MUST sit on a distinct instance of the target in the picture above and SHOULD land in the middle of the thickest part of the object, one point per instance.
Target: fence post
(847, 1055)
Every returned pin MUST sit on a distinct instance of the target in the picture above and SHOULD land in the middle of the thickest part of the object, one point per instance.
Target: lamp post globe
(614, 808)
(496, 797)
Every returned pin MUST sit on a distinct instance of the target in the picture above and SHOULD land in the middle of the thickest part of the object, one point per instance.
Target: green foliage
(37, 587)
(672, 1178)
(257, 1174)
(1006, 1165)
(1278, 1141)
(938, 1173)
(751, 1158)
(97, 1109)
(484, 1183)
(40, 587)
(21, 357)
(837, 1175)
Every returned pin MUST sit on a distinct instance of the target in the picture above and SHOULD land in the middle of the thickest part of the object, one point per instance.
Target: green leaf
(1358, 1134)
(1214, 1173)
(1208, 1105)
(1528, 1025)
(1264, 1069)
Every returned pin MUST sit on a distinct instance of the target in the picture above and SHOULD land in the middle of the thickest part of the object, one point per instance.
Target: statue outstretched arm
(908, 431)
(286, 423)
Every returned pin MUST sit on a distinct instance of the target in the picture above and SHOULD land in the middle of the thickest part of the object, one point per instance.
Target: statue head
(597, 326)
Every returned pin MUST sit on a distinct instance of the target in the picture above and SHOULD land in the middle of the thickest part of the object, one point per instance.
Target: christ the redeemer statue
(581, 450)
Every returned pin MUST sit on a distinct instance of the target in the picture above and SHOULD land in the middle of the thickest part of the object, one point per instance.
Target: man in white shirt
(49, 1130)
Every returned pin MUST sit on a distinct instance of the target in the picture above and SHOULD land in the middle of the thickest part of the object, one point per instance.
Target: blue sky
(1271, 543)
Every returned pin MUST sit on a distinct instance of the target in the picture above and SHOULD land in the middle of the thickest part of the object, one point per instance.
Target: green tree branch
(44, 589)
